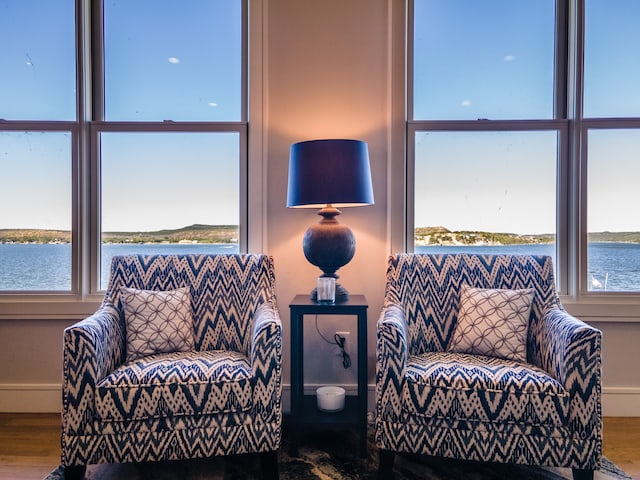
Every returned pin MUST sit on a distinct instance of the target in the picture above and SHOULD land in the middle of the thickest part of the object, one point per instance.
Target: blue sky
(470, 63)
(153, 181)
(183, 63)
(180, 63)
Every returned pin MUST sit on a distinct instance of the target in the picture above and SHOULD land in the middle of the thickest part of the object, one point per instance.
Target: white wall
(325, 69)
(326, 74)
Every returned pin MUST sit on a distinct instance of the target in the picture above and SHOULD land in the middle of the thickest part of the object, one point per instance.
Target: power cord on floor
(340, 342)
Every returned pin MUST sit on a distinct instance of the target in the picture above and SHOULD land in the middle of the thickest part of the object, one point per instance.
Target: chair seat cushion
(175, 384)
(484, 389)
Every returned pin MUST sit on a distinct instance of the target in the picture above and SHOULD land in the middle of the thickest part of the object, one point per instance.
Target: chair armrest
(92, 348)
(266, 363)
(391, 361)
(571, 351)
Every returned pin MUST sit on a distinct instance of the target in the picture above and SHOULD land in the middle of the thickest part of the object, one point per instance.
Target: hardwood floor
(621, 443)
(30, 444)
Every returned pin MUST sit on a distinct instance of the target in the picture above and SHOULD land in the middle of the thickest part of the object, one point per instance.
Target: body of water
(613, 267)
(48, 267)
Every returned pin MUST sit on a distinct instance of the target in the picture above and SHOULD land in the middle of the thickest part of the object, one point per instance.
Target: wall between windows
(327, 73)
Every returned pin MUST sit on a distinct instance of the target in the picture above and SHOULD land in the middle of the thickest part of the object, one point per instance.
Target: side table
(304, 411)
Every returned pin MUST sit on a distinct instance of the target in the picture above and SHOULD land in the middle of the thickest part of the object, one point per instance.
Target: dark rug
(331, 455)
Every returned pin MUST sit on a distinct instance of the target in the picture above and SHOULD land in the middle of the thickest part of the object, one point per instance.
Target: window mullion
(577, 187)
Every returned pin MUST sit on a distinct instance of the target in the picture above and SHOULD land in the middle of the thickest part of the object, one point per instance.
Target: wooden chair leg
(269, 465)
(580, 474)
(74, 472)
(385, 465)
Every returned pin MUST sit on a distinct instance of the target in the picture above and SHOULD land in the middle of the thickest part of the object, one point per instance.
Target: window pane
(492, 192)
(169, 193)
(173, 60)
(35, 218)
(612, 63)
(38, 79)
(613, 221)
(491, 59)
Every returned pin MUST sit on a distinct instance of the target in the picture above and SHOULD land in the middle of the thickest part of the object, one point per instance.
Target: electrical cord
(339, 341)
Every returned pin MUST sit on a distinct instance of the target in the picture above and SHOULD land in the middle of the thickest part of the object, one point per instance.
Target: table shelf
(310, 414)
(304, 410)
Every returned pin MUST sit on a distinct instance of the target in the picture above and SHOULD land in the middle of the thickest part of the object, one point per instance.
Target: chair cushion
(180, 383)
(157, 321)
(486, 389)
(493, 322)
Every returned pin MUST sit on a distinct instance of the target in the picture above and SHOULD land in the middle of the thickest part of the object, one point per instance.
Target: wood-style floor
(30, 444)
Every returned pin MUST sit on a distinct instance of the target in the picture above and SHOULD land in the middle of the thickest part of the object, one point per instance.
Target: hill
(442, 236)
(34, 235)
(229, 234)
(191, 234)
(620, 237)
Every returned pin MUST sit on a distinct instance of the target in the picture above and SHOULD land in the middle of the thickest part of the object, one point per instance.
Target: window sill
(618, 308)
(48, 307)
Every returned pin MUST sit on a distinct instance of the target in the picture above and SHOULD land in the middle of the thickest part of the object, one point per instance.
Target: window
(180, 193)
(490, 191)
(612, 67)
(612, 131)
(491, 59)
(491, 145)
(131, 139)
(35, 242)
(170, 177)
(38, 59)
(482, 178)
(181, 61)
(613, 225)
(37, 138)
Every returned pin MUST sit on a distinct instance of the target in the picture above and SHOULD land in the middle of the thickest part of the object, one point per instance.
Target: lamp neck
(329, 212)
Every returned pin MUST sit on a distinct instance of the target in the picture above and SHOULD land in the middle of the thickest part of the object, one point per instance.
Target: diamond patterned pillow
(157, 321)
(493, 322)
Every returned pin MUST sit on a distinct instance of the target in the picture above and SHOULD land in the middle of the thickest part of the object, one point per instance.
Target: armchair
(436, 399)
(218, 394)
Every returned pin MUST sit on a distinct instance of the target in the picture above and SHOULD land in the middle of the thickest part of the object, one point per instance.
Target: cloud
(466, 103)
(509, 58)
(173, 60)
(212, 104)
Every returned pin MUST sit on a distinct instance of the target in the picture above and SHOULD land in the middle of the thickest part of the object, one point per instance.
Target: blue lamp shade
(328, 174)
(334, 172)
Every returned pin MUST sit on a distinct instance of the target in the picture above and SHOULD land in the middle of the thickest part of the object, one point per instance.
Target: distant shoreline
(193, 234)
(441, 236)
(229, 234)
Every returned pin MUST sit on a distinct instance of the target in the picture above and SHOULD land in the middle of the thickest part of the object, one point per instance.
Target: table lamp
(328, 174)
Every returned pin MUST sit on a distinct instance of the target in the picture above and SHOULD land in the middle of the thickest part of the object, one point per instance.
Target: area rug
(331, 455)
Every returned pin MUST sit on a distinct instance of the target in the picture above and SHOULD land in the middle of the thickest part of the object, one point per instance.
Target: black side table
(304, 411)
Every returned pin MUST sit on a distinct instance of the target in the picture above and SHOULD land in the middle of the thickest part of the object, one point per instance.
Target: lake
(25, 267)
(613, 267)
(47, 266)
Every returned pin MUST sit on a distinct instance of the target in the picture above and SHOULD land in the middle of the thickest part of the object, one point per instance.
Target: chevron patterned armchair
(182, 360)
(476, 359)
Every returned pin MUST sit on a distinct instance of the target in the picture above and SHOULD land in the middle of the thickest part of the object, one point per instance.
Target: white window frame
(558, 126)
(571, 263)
(85, 295)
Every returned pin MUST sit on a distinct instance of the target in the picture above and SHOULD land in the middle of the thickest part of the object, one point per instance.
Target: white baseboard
(621, 401)
(45, 397)
(30, 398)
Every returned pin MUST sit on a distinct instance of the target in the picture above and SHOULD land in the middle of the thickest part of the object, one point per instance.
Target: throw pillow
(157, 321)
(493, 322)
